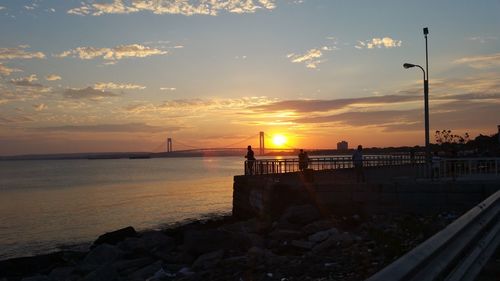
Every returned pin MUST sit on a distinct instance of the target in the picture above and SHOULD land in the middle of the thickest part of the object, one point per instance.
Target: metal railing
(279, 166)
(445, 168)
(463, 167)
(457, 252)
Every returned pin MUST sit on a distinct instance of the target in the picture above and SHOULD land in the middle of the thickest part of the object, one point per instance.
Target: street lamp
(426, 96)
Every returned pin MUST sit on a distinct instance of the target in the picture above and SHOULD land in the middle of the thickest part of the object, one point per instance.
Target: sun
(279, 140)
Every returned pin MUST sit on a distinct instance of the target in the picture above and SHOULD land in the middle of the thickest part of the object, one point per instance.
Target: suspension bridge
(172, 147)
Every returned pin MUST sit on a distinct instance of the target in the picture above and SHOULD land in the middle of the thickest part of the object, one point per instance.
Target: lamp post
(426, 96)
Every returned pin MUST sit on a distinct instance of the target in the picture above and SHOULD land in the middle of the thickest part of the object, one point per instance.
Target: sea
(49, 205)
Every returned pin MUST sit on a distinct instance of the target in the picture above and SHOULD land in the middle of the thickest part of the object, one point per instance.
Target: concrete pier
(387, 189)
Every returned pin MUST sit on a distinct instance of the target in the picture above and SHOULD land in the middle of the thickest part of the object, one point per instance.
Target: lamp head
(408, 65)
(426, 30)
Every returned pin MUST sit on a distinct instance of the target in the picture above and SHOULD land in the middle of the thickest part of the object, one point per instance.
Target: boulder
(301, 244)
(157, 240)
(317, 226)
(323, 235)
(208, 260)
(325, 245)
(198, 242)
(116, 236)
(254, 225)
(102, 254)
(284, 234)
(264, 256)
(132, 245)
(37, 278)
(133, 263)
(174, 257)
(147, 271)
(62, 273)
(103, 273)
(301, 214)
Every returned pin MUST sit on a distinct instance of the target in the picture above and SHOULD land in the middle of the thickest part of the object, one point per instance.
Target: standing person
(302, 160)
(250, 160)
(357, 160)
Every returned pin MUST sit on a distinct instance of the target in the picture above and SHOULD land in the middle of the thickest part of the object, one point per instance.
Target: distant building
(343, 145)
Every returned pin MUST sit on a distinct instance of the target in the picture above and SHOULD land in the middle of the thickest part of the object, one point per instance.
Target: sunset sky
(123, 75)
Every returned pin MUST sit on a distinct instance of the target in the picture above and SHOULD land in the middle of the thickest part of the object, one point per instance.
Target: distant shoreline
(190, 153)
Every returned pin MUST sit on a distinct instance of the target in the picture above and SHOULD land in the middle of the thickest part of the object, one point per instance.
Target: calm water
(47, 205)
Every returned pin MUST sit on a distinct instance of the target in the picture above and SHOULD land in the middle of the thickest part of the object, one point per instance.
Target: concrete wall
(387, 189)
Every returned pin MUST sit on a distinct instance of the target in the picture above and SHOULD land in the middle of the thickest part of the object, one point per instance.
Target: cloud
(52, 77)
(27, 82)
(2, 8)
(386, 42)
(310, 58)
(19, 53)
(167, 89)
(329, 105)
(40, 107)
(199, 105)
(15, 119)
(108, 128)
(481, 61)
(182, 7)
(5, 70)
(112, 54)
(112, 86)
(483, 39)
(87, 93)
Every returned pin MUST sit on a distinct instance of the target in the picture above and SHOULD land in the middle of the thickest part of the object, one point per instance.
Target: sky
(125, 75)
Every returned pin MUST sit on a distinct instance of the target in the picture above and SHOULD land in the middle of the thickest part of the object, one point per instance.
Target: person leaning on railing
(250, 160)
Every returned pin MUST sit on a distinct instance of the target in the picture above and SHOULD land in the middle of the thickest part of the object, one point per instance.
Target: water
(48, 205)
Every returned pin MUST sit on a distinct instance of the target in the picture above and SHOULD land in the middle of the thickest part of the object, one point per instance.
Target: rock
(256, 240)
(161, 275)
(147, 271)
(301, 214)
(37, 278)
(208, 260)
(325, 245)
(62, 273)
(174, 257)
(235, 261)
(116, 236)
(317, 226)
(156, 239)
(254, 225)
(283, 234)
(198, 242)
(306, 245)
(30, 266)
(132, 245)
(133, 263)
(102, 254)
(263, 256)
(103, 273)
(323, 235)
(185, 271)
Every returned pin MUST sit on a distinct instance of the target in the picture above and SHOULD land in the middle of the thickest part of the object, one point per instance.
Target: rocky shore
(300, 244)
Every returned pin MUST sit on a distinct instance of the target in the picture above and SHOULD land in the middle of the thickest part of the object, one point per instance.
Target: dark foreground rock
(298, 245)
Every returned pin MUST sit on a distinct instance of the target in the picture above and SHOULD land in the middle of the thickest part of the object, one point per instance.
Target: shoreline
(300, 244)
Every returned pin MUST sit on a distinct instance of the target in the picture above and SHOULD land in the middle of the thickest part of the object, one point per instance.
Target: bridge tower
(169, 145)
(261, 143)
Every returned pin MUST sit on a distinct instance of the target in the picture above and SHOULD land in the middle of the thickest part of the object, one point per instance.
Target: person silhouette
(357, 160)
(250, 161)
(303, 160)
